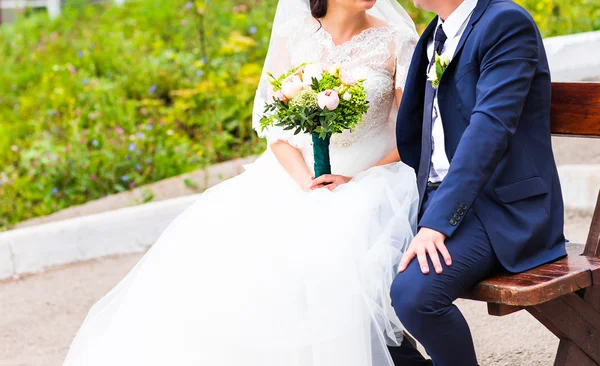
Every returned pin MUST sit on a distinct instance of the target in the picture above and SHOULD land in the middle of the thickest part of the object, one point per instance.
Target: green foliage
(107, 98)
(328, 82)
(559, 17)
(276, 82)
(553, 17)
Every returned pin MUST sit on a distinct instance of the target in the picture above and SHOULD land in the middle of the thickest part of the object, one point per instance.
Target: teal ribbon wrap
(321, 153)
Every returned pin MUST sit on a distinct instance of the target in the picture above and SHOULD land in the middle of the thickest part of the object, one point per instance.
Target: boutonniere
(437, 70)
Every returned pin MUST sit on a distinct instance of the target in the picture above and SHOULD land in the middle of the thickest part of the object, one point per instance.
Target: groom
(479, 139)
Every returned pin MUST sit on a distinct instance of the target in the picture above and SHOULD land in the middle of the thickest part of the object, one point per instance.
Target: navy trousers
(424, 303)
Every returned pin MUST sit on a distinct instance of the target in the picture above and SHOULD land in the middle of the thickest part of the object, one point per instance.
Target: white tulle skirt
(260, 273)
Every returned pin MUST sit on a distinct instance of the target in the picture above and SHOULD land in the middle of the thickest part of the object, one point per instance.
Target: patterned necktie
(427, 143)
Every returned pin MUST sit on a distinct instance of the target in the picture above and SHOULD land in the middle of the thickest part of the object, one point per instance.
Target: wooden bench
(564, 295)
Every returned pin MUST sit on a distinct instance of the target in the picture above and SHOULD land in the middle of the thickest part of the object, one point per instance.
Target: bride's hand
(306, 184)
(333, 180)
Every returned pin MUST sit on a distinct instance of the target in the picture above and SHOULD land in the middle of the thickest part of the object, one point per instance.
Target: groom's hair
(318, 8)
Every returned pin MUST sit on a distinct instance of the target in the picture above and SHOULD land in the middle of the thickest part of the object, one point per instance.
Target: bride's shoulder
(401, 37)
(296, 26)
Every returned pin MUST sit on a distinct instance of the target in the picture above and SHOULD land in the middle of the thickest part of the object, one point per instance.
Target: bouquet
(319, 102)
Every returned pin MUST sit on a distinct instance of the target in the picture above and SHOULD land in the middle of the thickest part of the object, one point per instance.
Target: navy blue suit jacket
(494, 100)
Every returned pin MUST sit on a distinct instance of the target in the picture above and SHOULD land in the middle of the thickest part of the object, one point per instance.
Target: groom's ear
(418, 4)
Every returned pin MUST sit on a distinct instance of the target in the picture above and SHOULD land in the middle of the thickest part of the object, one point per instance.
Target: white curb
(127, 230)
(574, 57)
(580, 186)
(7, 269)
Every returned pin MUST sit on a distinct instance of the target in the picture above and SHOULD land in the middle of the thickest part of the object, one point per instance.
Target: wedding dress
(260, 273)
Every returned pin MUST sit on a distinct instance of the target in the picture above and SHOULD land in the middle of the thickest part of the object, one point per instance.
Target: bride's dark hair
(318, 8)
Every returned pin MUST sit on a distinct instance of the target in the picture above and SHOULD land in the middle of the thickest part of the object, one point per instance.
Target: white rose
(292, 85)
(444, 61)
(432, 75)
(312, 71)
(328, 99)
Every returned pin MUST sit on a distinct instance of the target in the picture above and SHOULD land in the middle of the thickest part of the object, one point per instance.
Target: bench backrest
(576, 109)
(576, 112)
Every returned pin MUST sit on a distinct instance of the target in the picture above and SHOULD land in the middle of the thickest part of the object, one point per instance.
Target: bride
(274, 268)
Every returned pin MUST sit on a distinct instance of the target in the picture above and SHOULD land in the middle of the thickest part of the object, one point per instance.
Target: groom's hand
(426, 242)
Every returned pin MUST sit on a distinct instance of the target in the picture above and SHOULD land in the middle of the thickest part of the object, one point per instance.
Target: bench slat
(502, 310)
(592, 246)
(541, 284)
(576, 109)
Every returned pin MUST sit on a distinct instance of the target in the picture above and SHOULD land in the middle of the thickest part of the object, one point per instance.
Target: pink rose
(292, 85)
(280, 96)
(329, 99)
(346, 78)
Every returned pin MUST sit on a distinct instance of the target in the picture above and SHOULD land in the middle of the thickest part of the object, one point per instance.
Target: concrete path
(573, 150)
(40, 314)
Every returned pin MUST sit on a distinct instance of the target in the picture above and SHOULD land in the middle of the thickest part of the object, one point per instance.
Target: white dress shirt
(454, 27)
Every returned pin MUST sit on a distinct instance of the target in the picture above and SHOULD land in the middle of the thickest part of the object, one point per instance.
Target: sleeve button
(453, 222)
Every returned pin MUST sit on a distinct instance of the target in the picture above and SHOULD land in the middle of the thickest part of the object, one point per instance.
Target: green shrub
(107, 98)
(554, 17)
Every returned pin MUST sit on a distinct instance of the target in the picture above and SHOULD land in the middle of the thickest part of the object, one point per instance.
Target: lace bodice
(381, 56)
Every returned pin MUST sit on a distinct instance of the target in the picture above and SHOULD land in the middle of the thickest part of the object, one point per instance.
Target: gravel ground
(40, 314)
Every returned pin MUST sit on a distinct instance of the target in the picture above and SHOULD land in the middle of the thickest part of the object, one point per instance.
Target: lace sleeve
(405, 46)
(277, 63)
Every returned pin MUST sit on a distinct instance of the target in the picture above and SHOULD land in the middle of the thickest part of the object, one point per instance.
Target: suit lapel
(477, 13)
(462, 41)
(418, 66)
(482, 5)
(421, 49)
(428, 33)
